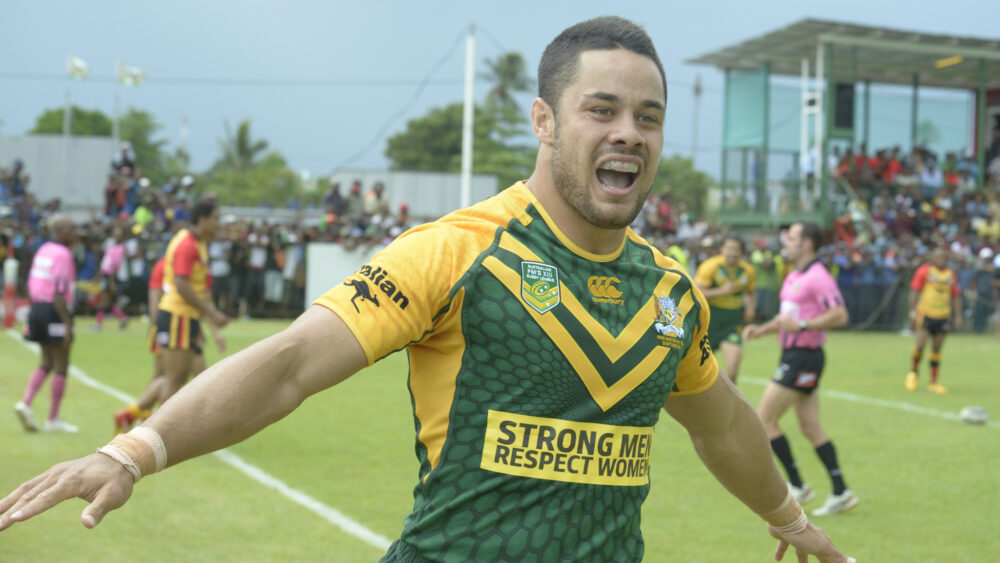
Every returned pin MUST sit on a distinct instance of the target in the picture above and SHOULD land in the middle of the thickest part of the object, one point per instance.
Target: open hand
(96, 478)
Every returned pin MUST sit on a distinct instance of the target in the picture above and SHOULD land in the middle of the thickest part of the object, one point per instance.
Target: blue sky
(321, 80)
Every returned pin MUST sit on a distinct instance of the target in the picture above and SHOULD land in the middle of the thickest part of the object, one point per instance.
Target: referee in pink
(51, 287)
(810, 305)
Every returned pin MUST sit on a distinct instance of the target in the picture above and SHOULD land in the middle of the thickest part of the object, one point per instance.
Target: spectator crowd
(898, 207)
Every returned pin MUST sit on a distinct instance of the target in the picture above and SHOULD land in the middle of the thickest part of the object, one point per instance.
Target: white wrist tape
(788, 518)
(141, 451)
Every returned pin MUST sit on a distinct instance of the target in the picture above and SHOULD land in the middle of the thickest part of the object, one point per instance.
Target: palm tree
(508, 74)
(238, 152)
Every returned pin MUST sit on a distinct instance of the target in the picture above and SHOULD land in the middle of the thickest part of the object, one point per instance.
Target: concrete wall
(428, 194)
(74, 169)
(329, 264)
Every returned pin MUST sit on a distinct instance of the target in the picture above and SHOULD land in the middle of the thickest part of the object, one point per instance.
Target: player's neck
(805, 260)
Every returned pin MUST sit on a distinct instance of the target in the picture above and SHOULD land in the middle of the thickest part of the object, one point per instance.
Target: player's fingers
(107, 499)
(10, 500)
(38, 499)
(779, 553)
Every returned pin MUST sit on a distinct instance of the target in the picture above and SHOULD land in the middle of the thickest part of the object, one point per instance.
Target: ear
(543, 121)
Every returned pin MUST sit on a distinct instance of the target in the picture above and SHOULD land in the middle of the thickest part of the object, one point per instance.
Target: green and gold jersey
(714, 273)
(537, 373)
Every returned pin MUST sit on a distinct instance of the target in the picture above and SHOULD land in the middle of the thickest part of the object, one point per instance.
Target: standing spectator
(354, 206)
(333, 202)
(124, 157)
(767, 267)
(257, 243)
(986, 287)
(238, 271)
(376, 201)
(219, 254)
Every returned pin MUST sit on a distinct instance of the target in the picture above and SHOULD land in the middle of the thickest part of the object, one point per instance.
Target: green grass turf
(929, 487)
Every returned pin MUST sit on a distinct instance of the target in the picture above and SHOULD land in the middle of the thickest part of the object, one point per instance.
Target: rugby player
(934, 297)
(729, 282)
(534, 400)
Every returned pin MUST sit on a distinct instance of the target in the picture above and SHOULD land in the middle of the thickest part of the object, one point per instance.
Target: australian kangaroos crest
(540, 286)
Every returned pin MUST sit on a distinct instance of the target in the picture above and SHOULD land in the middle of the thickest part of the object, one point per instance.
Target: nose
(626, 131)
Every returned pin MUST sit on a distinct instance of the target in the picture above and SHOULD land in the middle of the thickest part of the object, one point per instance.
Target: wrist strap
(141, 451)
(788, 518)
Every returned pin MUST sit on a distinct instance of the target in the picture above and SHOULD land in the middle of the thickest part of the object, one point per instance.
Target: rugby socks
(916, 359)
(34, 384)
(935, 363)
(58, 388)
(99, 318)
(118, 313)
(781, 449)
(828, 455)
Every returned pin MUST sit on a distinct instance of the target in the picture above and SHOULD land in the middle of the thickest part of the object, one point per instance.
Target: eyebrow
(612, 98)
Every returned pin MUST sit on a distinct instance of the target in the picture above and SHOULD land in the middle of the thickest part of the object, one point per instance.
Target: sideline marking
(328, 513)
(897, 405)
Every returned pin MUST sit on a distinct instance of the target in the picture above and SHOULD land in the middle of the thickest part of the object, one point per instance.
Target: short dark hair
(204, 208)
(561, 58)
(739, 241)
(813, 232)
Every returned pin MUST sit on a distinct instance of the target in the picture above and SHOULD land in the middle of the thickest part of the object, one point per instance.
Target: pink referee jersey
(112, 259)
(52, 271)
(805, 295)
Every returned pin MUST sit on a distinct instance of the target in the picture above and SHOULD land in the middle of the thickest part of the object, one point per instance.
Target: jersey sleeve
(698, 369)
(826, 291)
(185, 257)
(395, 299)
(919, 277)
(156, 278)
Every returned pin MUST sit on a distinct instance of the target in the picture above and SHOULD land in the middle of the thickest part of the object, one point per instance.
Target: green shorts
(726, 325)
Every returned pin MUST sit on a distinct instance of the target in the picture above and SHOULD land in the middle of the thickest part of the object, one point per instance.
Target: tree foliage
(136, 126)
(239, 150)
(82, 122)
(434, 143)
(508, 73)
(678, 177)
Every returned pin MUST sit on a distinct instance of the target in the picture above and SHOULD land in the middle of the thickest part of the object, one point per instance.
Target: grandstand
(849, 75)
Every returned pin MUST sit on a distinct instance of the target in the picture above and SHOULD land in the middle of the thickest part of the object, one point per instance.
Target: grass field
(929, 485)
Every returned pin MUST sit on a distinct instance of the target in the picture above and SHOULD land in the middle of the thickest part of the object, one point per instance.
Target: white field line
(884, 403)
(328, 513)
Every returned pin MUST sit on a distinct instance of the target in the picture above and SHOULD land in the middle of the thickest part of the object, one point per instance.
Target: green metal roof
(877, 54)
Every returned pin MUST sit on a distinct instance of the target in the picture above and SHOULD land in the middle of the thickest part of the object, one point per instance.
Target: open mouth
(618, 175)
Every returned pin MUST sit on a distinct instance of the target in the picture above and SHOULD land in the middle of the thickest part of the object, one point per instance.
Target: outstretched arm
(731, 442)
(228, 403)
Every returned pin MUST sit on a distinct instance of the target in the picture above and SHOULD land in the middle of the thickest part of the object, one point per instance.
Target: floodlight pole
(914, 113)
(981, 126)
(67, 115)
(467, 117)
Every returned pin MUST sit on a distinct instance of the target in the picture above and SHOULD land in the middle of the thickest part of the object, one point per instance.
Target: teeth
(620, 166)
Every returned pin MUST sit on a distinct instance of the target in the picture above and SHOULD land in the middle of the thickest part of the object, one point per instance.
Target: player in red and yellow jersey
(143, 407)
(934, 296)
(187, 301)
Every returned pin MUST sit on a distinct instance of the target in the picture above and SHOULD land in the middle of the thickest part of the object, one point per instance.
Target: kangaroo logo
(361, 290)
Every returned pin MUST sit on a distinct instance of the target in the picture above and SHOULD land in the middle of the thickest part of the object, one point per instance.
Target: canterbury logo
(601, 286)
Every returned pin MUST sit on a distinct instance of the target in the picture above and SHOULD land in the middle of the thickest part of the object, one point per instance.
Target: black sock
(828, 455)
(780, 448)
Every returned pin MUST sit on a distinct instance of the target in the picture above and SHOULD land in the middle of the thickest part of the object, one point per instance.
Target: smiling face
(605, 141)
